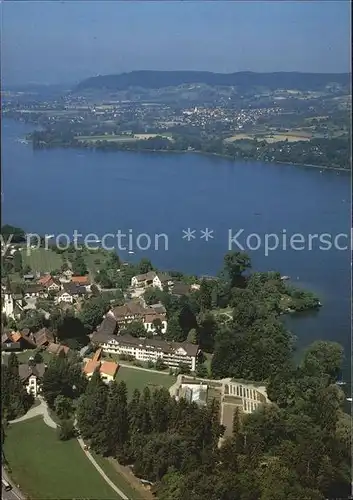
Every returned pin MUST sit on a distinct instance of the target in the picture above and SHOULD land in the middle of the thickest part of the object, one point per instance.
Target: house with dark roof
(143, 280)
(43, 337)
(31, 377)
(179, 289)
(35, 290)
(8, 343)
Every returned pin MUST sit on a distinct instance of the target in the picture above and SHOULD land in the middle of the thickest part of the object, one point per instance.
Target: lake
(58, 191)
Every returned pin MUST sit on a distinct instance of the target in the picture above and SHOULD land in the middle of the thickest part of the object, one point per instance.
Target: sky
(66, 41)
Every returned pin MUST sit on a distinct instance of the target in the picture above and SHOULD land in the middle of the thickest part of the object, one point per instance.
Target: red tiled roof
(81, 280)
(109, 368)
(97, 355)
(16, 336)
(91, 366)
(45, 280)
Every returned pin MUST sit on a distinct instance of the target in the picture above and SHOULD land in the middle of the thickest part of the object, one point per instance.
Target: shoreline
(228, 157)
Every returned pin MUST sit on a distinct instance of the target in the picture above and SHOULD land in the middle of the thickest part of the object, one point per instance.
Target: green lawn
(117, 478)
(46, 468)
(41, 260)
(139, 379)
(24, 356)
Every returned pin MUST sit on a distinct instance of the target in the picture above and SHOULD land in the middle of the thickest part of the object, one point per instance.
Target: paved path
(160, 372)
(13, 494)
(101, 471)
(41, 409)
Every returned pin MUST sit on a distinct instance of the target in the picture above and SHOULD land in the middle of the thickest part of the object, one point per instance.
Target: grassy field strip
(42, 260)
(118, 479)
(46, 468)
(139, 379)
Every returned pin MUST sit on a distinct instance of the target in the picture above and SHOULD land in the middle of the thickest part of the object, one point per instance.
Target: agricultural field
(119, 138)
(239, 137)
(41, 260)
(45, 467)
(270, 137)
(289, 136)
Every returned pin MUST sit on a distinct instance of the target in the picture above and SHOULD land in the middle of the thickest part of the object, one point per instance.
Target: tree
(184, 368)
(92, 312)
(31, 319)
(158, 326)
(63, 407)
(235, 263)
(66, 430)
(135, 328)
(205, 295)
(13, 234)
(152, 295)
(79, 267)
(144, 266)
(15, 401)
(63, 377)
(325, 358)
(116, 418)
(37, 356)
(174, 331)
(17, 262)
(159, 365)
(201, 371)
(192, 336)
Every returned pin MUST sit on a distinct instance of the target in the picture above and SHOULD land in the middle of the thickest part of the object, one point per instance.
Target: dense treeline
(297, 447)
(328, 152)
(152, 431)
(15, 401)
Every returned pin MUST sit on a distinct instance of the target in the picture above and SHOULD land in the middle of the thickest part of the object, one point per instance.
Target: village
(82, 325)
(112, 345)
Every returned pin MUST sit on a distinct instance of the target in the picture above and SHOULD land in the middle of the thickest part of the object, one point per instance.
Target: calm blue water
(57, 191)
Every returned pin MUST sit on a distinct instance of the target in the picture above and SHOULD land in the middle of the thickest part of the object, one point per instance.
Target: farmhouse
(143, 280)
(50, 283)
(43, 337)
(81, 281)
(161, 280)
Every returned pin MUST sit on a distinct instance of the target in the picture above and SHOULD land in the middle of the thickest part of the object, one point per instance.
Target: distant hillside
(242, 80)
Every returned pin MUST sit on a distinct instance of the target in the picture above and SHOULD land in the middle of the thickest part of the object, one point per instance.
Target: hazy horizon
(63, 42)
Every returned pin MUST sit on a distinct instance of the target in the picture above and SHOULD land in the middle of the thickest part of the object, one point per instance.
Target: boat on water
(285, 278)
(340, 382)
(349, 399)
(130, 251)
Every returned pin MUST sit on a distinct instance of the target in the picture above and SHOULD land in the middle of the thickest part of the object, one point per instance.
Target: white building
(31, 377)
(150, 321)
(161, 280)
(171, 353)
(65, 297)
(8, 305)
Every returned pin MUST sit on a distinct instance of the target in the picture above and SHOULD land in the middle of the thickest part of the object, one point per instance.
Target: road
(13, 494)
